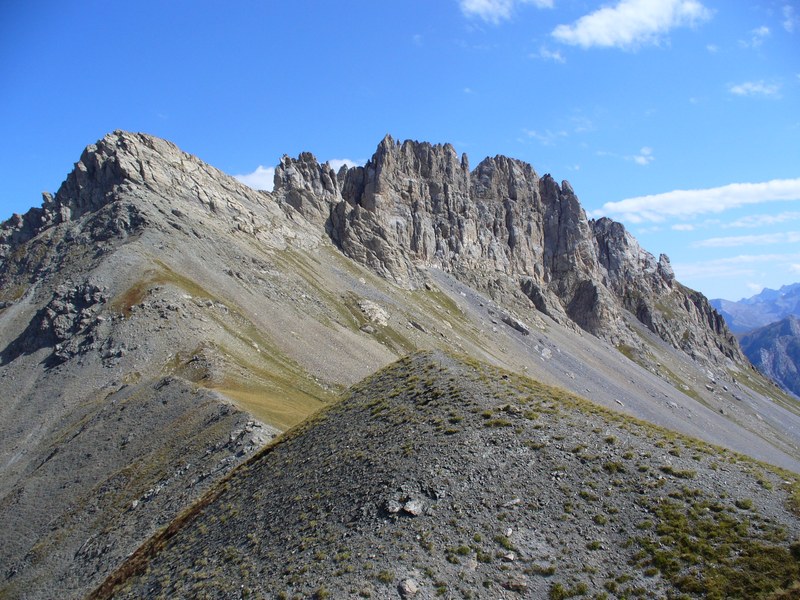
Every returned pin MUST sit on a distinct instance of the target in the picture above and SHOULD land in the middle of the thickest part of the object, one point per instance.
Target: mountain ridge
(768, 306)
(152, 283)
(463, 481)
(775, 351)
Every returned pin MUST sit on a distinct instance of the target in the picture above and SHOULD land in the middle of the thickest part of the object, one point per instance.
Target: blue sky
(680, 118)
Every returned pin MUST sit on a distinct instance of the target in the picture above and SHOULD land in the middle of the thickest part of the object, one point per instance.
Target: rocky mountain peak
(413, 206)
(310, 188)
(416, 205)
(118, 159)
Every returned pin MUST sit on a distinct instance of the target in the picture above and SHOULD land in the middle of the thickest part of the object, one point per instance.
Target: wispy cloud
(260, 179)
(732, 266)
(755, 88)
(546, 137)
(495, 11)
(752, 221)
(757, 37)
(656, 208)
(683, 227)
(756, 288)
(546, 54)
(766, 239)
(581, 123)
(631, 23)
(644, 157)
(790, 19)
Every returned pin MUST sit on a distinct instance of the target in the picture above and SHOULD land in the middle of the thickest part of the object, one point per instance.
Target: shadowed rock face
(416, 205)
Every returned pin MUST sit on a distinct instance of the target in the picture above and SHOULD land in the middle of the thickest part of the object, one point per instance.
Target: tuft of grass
(385, 577)
(504, 542)
(670, 470)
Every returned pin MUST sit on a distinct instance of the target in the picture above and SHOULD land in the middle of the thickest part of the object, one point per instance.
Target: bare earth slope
(160, 321)
(457, 480)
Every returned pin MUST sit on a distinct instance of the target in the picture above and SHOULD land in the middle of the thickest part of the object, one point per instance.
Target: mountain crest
(413, 206)
(416, 205)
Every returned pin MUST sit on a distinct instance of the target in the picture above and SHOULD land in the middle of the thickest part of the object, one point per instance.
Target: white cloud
(786, 237)
(732, 266)
(338, 163)
(683, 227)
(756, 288)
(631, 23)
(547, 54)
(795, 268)
(757, 37)
(712, 48)
(495, 11)
(645, 156)
(751, 221)
(656, 208)
(755, 88)
(260, 179)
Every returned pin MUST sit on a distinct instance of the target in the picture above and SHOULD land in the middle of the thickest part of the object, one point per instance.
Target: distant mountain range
(775, 351)
(762, 309)
(769, 332)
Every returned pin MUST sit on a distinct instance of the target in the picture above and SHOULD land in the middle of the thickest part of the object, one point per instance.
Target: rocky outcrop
(66, 324)
(310, 188)
(91, 185)
(416, 205)
(647, 288)
(401, 209)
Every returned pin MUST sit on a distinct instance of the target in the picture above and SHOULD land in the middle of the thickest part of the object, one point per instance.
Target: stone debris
(408, 588)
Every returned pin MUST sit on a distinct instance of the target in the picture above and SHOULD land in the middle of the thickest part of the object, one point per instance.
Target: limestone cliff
(415, 205)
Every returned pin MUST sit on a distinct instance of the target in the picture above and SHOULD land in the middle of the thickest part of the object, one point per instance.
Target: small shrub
(504, 542)
(386, 577)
